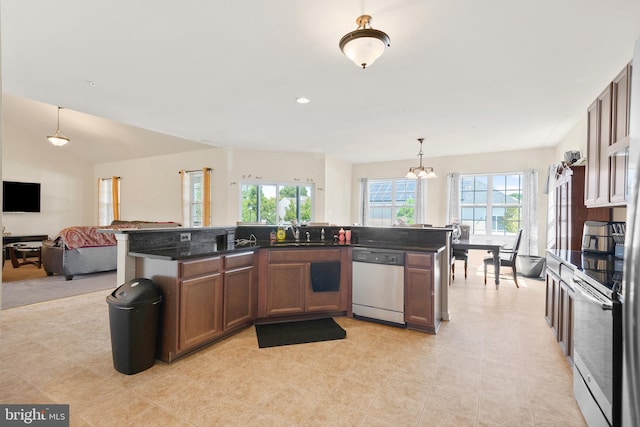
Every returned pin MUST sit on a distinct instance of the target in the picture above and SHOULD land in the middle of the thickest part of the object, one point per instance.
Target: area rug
(24, 292)
(305, 331)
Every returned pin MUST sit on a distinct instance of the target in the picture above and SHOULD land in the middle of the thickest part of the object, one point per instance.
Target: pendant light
(58, 139)
(421, 172)
(364, 45)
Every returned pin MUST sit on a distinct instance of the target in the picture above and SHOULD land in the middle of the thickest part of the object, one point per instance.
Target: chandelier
(421, 172)
(364, 45)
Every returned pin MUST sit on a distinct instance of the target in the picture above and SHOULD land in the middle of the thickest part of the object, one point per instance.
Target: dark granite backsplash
(158, 239)
(400, 236)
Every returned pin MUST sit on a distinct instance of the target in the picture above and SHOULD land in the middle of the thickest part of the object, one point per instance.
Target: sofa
(85, 249)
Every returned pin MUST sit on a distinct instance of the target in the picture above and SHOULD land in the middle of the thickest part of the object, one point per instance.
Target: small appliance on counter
(619, 230)
(597, 236)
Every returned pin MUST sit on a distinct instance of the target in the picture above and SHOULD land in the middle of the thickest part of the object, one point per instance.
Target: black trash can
(134, 312)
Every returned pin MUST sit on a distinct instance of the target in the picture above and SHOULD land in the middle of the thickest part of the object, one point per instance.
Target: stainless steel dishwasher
(378, 285)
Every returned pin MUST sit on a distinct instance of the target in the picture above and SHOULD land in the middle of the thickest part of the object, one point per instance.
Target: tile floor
(495, 363)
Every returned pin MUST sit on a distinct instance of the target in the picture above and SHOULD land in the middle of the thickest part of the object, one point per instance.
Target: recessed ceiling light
(302, 100)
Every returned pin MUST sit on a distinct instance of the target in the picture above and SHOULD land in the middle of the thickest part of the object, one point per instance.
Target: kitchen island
(216, 281)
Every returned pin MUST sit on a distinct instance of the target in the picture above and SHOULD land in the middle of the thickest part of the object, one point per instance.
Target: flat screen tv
(20, 196)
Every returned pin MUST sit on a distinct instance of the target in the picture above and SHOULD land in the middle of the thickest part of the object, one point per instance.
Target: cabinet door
(200, 310)
(604, 140)
(593, 156)
(239, 297)
(618, 177)
(322, 301)
(598, 141)
(565, 326)
(621, 100)
(286, 285)
(419, 292)
(418, 303)
(550, 309)
(562, 215)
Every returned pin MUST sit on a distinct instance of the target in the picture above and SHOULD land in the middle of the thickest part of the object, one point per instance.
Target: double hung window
(492, 204)
(108, 200)
(390, 201)
(196, 197)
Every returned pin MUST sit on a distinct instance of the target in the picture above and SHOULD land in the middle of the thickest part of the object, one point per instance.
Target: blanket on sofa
(84, 237)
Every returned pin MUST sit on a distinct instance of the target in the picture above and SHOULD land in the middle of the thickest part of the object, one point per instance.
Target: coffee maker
(597, 237)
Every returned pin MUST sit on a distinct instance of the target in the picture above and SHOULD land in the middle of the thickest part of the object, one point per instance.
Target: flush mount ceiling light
(364, 45)
(58, 139)
(420, 171)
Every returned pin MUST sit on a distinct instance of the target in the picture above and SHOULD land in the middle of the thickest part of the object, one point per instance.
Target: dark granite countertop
(332, 244)
(603, 268)
(194, 250)
(199, 250)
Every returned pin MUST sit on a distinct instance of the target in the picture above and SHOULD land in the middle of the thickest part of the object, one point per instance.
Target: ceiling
(468, 76)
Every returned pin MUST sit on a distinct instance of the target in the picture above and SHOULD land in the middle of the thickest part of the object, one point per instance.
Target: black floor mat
(277, 334)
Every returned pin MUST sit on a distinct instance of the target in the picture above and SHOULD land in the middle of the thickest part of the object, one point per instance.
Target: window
(391, 201)
(196, 197)
(108, 200)
(492, 204)
(276, 203)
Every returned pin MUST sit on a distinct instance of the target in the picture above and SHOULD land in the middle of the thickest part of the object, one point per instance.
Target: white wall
(576, 139)
(67, 187)
(271, 166)
(338, 191)
(508, 161)
(150, 187)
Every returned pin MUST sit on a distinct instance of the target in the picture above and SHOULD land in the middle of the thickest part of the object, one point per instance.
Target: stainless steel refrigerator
(631, 279)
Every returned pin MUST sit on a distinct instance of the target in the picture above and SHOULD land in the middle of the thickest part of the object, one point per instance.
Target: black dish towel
(325, 276)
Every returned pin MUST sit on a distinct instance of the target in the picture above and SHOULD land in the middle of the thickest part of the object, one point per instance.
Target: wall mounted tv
(20, 196)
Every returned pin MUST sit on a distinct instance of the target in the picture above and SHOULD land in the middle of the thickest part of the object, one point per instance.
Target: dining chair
(507, 258)
(461, 254)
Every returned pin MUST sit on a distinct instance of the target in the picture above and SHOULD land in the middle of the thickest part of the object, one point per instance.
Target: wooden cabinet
(204, 299)
(559, 302)
(552, 284)
(200, 314)
(569, 213)
(608, 142)
(619, 148)
(285, 288)
(239, 290)
(421, 297)
(565, 317)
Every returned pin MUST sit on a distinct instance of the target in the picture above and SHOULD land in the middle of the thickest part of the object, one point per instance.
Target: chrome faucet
(295, 231)
(308, 237)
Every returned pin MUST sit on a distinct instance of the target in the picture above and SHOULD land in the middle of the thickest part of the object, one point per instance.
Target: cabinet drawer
(416, 260)
(566, 273)
(200, 267)
(231, 262)
(303, 255)
(553, 264)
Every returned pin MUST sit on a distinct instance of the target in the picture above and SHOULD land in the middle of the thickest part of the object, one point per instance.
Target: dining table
(490, 245)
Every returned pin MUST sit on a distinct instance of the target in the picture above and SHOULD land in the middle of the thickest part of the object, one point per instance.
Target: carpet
(31, 291)
(305, 331)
